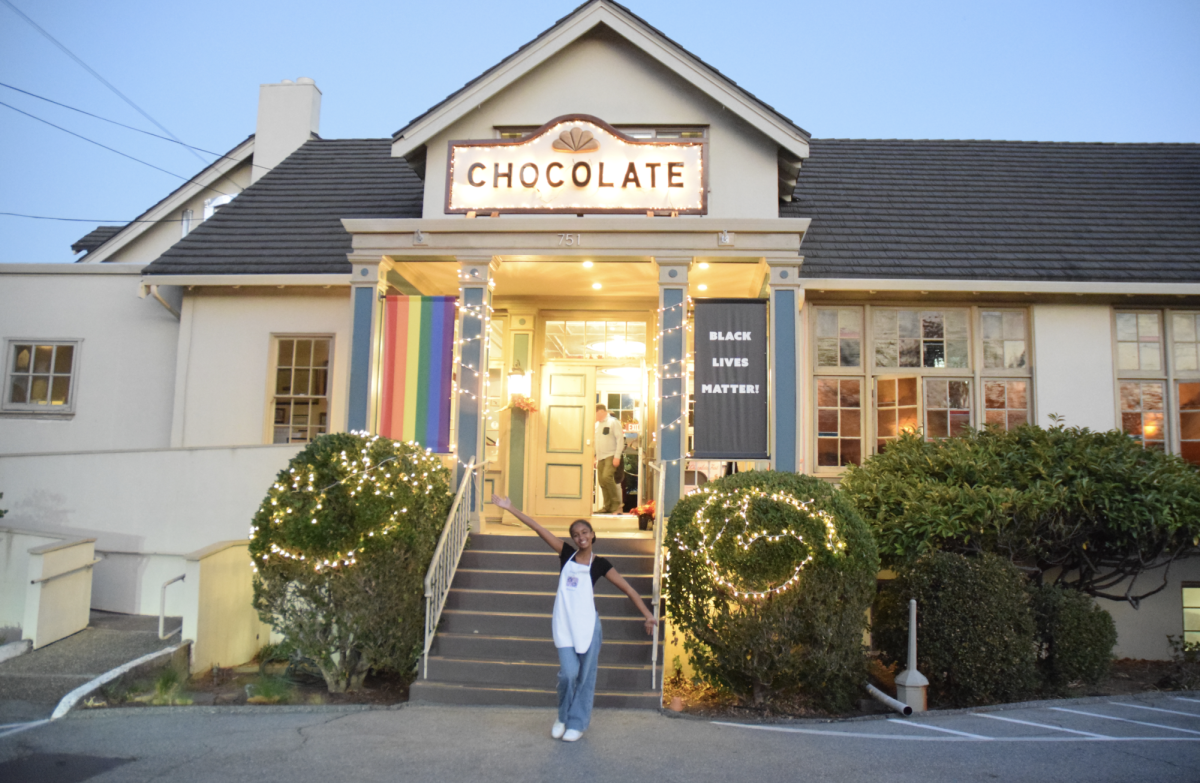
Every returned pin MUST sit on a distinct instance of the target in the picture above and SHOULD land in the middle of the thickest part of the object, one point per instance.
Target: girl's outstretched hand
(502, 502)
(650, 623)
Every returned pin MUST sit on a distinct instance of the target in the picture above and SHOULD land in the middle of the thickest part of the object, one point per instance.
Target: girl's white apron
(574, 621)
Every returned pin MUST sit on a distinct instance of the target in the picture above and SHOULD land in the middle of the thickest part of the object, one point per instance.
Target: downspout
(152, 290)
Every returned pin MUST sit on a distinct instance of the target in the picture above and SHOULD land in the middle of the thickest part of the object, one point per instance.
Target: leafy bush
(1075, 637)
(804, 546)
(1186, 670)
(1089, 509)
(975, 632)
(341, 545)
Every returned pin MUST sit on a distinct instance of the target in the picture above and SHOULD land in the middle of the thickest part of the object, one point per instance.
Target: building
(152, 390)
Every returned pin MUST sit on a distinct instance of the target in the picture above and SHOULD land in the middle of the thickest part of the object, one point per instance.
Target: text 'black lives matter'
(731, 380)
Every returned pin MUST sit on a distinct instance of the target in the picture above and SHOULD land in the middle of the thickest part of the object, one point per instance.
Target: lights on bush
(739, 501)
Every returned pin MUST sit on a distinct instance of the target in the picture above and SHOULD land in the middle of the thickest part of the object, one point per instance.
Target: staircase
(493, 645)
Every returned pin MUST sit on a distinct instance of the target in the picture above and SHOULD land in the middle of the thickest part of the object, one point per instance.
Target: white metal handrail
(445, 558)
(656, 586)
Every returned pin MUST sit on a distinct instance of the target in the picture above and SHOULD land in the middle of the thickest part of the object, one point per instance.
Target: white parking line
(1041, 725)
(17, 728)
(1184, 698)
(1155, 709)
(1125, 720)
(914, 724)
(911, 738)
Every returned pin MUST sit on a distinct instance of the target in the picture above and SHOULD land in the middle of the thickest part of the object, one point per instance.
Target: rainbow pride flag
(418, 359)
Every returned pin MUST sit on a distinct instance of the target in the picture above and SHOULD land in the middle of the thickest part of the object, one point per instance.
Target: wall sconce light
(518, 380)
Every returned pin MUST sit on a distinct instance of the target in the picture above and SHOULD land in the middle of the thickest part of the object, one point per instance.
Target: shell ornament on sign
(575, 140)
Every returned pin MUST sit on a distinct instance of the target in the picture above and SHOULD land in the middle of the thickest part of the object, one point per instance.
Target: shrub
(1185, 657)
(975, 632)
(805, 547)
(341, 545)
(1075, 637)
(1090, 509)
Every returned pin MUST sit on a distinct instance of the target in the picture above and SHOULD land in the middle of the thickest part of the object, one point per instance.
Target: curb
(237, 709)
(68, 702)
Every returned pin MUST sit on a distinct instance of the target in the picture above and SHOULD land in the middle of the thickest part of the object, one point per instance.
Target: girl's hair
(583, 522)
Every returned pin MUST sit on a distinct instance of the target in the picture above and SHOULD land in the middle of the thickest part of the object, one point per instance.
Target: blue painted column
(363, 391)
(787, 296)
(672, 404)
(473, 316)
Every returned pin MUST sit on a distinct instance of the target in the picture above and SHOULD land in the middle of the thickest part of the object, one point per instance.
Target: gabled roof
(620, 19)
(95, 238)
(240, 154)
(290, 220)
(1000, 210)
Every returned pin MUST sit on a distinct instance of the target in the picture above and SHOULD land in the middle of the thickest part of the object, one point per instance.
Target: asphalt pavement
(1145, 738)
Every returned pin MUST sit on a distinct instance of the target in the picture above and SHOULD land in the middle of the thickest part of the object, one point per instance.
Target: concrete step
(537, 581)
(458, 693)
(534, 625)
(642, 565)
(606, 547)
(532, 674)
(534, 649)
(535, 603)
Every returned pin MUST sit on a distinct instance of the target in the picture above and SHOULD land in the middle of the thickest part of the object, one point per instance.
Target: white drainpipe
(911, 685)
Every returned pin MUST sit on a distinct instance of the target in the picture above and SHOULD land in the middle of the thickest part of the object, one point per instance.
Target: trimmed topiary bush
(341, 545)
(975, 631)
(1075, 637)
(769, 576)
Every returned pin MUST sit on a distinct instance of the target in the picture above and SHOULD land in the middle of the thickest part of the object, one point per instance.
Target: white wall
(1073, 365)
(604, 75)
(1142, 632)
(226, 364)
(132, 583)
(14, 576)
(125, 364)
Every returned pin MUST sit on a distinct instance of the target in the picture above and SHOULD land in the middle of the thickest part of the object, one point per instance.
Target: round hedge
(773, 603)
(1075, 637)
(341, 544)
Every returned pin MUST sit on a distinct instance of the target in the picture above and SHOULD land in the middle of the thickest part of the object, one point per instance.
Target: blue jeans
(577, 682)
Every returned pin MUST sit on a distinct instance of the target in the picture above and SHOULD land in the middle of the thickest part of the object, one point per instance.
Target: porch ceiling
(619, 279)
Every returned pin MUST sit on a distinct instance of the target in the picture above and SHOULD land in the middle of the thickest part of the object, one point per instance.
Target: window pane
(320, 382)
(827, 422)
(59, 388)
(1189, 425)
(956, 324)
(850, 354)
(19, 390)
(303, 353)
(1147, 325)
(1185, 356)
(1017, 419)
(959, 398)
(993, 353)
(909, 323)
(1189, 396)
(851, 451)
(937, 394)
(887, 353)
(827, 393)
(849, 323)
(1014, 354)
(885, 323)
(852, 423)
(886, 423)
(828, 352)
(827, 323)
(283, 381)
(936, 425)
(906, 419)
(850, 393)
(827, 452)
(1142, 412)
(1014, 325)
(956, 354)
(886, 392)
(1189, 421)
(1184, 327)
(931, 325)
(39, 390)
(910, 353)
(907, 391)
(994, 395)
(935, 354)
(1018, 394)
(300, 382)
(1131, 396)
(286, 348)
(992, 329)
(1148, 353)
(62, 359)
(22, 354)
(1127, 327)
(41, 358)
(995, 418)
(320, 353)
(1127, 356)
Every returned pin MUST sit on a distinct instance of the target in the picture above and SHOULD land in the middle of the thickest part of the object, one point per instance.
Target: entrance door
(563, 472)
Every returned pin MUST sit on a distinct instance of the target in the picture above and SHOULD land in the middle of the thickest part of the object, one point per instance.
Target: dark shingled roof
(1000, 210)
(95, 238)
(289, 222)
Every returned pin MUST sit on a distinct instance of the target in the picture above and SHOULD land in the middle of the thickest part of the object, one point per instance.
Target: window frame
(975, 373)
(30, 409)
(272, 373)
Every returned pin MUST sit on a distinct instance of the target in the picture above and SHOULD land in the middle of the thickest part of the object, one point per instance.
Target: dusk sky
(1050, 70)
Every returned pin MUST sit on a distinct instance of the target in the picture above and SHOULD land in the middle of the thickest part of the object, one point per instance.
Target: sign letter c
(471, 175)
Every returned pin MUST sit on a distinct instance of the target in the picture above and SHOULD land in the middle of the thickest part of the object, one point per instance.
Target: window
(1191, 611)
(211, 205)
(595, 340)
(1158, 379)
(879, 372)
(186, 223)
(40, 376)
(301, 399)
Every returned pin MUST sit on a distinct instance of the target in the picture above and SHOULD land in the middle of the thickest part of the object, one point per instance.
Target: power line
(128, 127)
(92, 71)
(88, 220)
(110, 149)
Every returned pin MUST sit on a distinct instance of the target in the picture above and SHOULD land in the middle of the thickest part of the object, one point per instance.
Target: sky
(1033, 70)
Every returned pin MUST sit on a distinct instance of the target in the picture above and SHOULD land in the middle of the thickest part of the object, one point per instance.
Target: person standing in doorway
(576, 623)
(610, 442)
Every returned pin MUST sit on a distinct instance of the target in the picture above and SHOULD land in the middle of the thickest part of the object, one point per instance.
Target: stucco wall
(125, 364)
(226, 362)
(1142, 632)
(1073, 365)
(219, 614)
(14, 576)
(604, 75)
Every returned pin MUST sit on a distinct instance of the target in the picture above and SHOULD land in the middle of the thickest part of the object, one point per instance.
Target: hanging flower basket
(522, 403)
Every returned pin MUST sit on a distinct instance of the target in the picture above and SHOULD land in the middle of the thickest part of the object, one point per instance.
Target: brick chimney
(289, 113)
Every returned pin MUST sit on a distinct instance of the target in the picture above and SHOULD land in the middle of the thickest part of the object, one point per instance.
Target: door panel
(563, 475)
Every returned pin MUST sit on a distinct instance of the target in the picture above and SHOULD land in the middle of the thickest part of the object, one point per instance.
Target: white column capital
(784, 274)
(673, 270)
(476, 270)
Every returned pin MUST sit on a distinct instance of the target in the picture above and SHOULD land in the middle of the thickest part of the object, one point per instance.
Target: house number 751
(570, 240)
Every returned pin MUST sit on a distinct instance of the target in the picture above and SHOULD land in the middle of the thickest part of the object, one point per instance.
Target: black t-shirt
(600, 566)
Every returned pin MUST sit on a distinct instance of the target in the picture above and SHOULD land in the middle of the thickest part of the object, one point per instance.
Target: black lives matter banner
(730, 381)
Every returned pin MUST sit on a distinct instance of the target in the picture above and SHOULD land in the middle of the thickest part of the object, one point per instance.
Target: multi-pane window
(1189, 421)
(1191, 611)
(596, 340)
(937, 370)
(301, 402)
(40, 376)
(1142, 412)
(921, 338)
(1005, 403)
(839, 422)
(839, 337)
(1185, 328)
(1139, 342)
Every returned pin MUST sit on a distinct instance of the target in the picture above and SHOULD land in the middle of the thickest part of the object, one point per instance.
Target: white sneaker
(556, 731)
(572, 735)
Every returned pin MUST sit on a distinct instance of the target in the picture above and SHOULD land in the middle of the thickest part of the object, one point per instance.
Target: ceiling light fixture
(587, 264)
(702, 287)
(704, 265)
(596, 286)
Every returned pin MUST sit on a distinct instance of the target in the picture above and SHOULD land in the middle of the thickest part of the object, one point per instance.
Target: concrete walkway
(32, 684)
(1020, 743)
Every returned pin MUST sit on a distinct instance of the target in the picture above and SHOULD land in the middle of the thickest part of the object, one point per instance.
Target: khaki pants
(608, 486)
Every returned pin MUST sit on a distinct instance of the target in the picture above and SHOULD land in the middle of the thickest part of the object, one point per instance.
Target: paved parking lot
(1145, 738)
